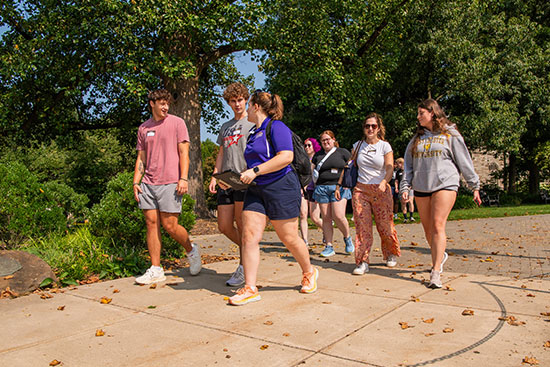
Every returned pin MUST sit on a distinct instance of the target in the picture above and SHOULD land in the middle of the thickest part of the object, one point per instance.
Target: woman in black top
(331, 197)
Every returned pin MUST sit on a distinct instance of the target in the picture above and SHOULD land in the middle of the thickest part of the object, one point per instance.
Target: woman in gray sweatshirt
(434, 160)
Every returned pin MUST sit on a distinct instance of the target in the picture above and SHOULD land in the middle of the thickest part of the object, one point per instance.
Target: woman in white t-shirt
(372, 195)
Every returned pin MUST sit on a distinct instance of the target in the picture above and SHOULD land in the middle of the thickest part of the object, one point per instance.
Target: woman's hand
(248, 176)
(382, 186)
(337, 194)
(477, 197)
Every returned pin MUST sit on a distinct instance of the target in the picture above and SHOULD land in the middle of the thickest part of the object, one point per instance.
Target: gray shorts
(160, 197)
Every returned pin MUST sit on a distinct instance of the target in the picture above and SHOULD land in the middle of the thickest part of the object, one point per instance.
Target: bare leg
(442, 203)
(238, 214)
(170, 223)
(253, 228)
(303, 219)
(315, 213)
(326, 213)
(287, 230)
(339, 216)
(424, 205)
(153, 235)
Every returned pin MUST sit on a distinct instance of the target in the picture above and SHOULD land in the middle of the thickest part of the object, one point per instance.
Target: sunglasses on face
(308, 145)
(371, 126)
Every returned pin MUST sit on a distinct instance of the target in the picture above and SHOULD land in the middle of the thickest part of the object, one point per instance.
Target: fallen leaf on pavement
(545, 313)
(60, 308)
(429, 334)
(530, 295)
(404, 325)
(105, 300)
(523, 286)
(55, 362)
(264, 347)
(512, 320)
(268, 322)
(8, 277)
(286, 334)
(448, 330)
(326, 302)
(99, 332)
(468, 313)
(116, 291)
(428, 321)
(46, 296)
(153, 286)
(530, 360)
(447, 288)
(151, 307)
(546, 344)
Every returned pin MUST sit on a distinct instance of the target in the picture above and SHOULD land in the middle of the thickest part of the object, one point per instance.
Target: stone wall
(484, 164)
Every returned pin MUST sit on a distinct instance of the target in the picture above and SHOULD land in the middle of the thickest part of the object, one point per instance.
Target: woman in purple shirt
(275, 195)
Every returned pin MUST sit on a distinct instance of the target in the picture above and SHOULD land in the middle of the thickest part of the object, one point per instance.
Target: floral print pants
(369, 200)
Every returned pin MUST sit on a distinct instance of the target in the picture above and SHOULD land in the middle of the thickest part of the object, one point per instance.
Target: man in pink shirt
(162, 165)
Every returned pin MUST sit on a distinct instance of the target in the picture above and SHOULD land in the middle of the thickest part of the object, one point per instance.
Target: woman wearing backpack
(329, 163)
(275, 196)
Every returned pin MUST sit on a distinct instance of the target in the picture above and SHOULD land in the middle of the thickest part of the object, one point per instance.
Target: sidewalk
(350, 321)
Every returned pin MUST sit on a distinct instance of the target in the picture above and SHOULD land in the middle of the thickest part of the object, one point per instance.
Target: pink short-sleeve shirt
(159, 140)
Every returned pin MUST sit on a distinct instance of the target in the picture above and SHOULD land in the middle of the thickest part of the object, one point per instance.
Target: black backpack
(301, 163)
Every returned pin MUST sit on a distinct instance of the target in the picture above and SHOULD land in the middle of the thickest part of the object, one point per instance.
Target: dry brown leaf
(530, 295)
(8, 277)
(55, 362)
(404, 325)
(448, 330)
(116, 291)
(60, 308)
(326, 302)
(546, 344)
(545, 313)
(46, 296)
(286, 334)
(268, 322)
(428, 321)
(530, 361)
(429, 334)
(264, 347)
(447, 288)
(105, 300)
(225, 349)
(523, 286)
(153, 286)
(468, 313)
(99, 332)
(414, 244)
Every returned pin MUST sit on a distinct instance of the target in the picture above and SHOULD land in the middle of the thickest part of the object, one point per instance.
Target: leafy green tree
(80, 65)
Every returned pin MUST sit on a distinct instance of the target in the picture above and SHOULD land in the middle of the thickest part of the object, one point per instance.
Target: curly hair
(314, 143)
(158, 95)
(235, 90)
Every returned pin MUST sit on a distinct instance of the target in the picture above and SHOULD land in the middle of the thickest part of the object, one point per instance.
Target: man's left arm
(183, 151)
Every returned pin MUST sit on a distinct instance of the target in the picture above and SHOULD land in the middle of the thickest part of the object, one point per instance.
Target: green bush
(79, 255)
(73, 204)
(464, 202)
(511, 199)
(27, 208)
(118, 218)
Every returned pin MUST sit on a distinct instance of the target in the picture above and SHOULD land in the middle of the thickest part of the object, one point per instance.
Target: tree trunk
(512, 173)
(186, 105)
(534, 175)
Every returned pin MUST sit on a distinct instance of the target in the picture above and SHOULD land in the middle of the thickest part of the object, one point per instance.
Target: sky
(247, 67)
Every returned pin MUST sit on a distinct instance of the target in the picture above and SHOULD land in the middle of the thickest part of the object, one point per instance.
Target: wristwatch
(256, 170)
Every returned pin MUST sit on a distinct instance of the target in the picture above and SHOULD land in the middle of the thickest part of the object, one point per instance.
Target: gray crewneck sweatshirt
(439, 160)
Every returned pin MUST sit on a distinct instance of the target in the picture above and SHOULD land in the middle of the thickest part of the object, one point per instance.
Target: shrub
(27, 209)
(73, 204)
(464, 202)
(79, 255)
(511, 199)
(118, 218)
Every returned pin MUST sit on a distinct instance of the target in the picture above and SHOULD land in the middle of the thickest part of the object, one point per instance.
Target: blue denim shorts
(278, 200)
(325, 193)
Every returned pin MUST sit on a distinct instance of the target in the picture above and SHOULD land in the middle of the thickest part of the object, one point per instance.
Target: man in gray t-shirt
(232, 142)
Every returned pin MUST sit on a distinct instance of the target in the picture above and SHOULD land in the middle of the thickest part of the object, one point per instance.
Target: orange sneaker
(309, 281)
(245, 295)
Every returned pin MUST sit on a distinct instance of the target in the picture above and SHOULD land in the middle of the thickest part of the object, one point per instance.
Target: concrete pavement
(385, 318)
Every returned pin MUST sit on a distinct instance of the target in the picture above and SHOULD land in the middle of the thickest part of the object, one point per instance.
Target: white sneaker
(237, 278)
(361, 269)
(391, 261)
(195, 262)
(435, 280)
(151, 276)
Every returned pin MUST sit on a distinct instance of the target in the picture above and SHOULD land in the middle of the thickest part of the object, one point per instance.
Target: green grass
(481, 212)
